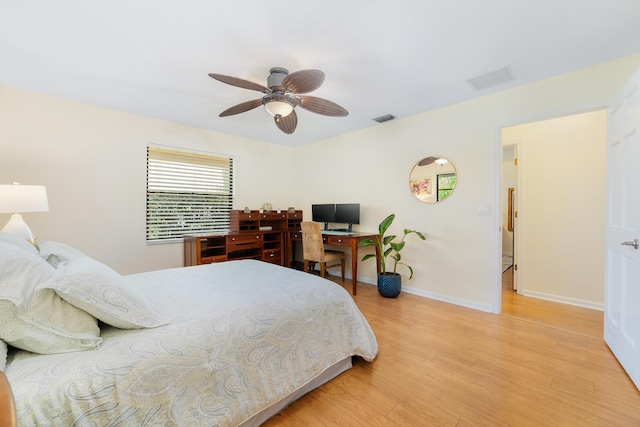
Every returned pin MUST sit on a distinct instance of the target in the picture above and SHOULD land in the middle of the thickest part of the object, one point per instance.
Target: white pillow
(105, 294)
(48, 324)
(35, 318)
(20, 271)
(18, 242)
(55, 253)
(3, 355)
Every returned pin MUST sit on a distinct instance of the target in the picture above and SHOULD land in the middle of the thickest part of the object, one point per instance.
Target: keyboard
(338, 232)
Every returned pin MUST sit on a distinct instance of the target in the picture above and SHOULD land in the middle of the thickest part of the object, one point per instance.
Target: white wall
(92, 161)
(562, 214)
(460, 261)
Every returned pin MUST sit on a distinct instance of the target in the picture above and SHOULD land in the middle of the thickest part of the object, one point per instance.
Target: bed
(223, 344)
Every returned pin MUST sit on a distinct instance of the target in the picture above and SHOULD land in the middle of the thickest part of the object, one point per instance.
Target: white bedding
(240, 336)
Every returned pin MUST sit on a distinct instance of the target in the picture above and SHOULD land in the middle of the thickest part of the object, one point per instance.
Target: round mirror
(432, 179)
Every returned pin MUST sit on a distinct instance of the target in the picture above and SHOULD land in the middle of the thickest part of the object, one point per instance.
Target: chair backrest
(312, 246)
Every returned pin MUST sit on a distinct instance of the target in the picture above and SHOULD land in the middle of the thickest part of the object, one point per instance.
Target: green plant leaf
(410, 271)
(397, 246)
(384, 225)
(366, 242)
(367, 256)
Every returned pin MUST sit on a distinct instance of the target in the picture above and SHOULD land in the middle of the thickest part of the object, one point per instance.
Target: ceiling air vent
(384, 118)
(491, 79)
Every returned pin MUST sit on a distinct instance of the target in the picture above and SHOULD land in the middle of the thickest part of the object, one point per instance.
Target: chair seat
(333, 255)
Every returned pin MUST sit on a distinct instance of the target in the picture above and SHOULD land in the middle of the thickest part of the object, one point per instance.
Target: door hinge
(515, 214)
(515, 267)
(515, 162)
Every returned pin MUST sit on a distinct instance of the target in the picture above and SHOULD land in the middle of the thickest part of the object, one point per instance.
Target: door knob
(635, 243)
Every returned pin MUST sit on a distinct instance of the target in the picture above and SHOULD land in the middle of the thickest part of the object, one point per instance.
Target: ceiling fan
(433, 159)
(283, 94)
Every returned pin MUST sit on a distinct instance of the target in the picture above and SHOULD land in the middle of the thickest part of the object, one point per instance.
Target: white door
(622, 264)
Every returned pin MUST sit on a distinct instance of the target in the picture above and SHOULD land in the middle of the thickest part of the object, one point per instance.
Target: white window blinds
(187, 193)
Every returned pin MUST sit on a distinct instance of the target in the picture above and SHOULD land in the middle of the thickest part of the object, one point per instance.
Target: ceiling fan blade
(304, 81)
(241, 108)
(427, 161)
(235, 81)
(322, 106)
(287, 124)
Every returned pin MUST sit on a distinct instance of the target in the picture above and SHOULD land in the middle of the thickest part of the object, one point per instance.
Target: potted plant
(389, 281)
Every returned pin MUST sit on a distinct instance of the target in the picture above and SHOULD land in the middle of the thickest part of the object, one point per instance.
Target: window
(187, 193)
(445, 185)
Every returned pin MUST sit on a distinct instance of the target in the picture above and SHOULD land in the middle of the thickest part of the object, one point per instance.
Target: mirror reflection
(432, 179)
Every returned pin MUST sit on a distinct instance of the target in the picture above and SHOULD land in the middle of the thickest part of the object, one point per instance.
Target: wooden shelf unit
(204, 249)
(253, 235)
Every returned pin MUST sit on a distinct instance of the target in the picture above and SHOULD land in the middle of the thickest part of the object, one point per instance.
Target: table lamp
(22, 198)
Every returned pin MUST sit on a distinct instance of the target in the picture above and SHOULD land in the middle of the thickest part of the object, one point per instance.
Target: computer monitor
(348, 213)
(325, 213)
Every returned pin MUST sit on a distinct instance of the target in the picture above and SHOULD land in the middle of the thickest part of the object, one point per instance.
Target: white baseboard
(448, 299)
(565, 300)
(435, 296)
(432, 295)
(487, 308)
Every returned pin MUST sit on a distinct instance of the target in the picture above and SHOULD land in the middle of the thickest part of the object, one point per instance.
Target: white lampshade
(278, 108)
(22, 198)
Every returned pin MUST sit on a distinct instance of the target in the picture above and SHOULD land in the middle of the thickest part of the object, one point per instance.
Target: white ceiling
(152, 57)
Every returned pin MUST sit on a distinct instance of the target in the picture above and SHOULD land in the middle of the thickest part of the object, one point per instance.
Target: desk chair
(313, 249)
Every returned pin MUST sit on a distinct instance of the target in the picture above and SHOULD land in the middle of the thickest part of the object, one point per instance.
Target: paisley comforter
(240, 336)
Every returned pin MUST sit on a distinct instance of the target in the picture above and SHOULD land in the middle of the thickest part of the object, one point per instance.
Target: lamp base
(18, 227)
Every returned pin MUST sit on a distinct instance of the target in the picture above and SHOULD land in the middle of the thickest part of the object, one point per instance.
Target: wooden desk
(348, 240)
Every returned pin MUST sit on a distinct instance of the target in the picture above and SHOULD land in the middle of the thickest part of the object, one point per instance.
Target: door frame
(521, 286)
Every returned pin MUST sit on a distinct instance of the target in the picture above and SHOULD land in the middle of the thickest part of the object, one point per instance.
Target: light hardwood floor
(537, 364)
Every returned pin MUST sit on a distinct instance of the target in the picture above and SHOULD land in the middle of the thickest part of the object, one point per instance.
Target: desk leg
(354, 264)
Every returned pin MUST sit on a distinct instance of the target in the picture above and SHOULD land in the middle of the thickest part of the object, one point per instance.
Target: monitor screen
(348, 213)
(323, 213)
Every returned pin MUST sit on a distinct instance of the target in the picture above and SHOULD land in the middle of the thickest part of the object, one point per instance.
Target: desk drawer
(273, 215)
(337, 240)
(295, 235)
(212, 259)
(272, 255)
(252, 216)
(243, 241)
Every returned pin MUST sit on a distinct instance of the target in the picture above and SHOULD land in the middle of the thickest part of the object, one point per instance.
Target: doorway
(560, 189)
(509, 214)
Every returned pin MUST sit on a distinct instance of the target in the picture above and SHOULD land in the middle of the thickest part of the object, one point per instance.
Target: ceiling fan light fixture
(278, 108)
(284, 93)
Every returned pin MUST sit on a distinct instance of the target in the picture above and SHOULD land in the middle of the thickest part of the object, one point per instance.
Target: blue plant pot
(389, 285)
